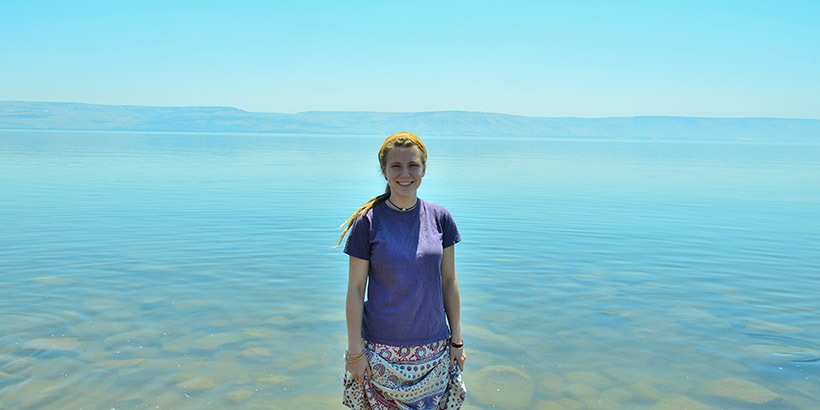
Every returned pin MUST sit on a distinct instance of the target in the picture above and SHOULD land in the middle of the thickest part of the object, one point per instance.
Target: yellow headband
(405, 135)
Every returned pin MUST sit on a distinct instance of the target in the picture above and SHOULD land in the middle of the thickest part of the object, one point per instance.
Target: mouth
(404, 183)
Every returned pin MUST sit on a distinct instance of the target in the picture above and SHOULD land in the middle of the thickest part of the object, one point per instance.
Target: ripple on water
(139, 337)
(54, 344)
(503, 386)
(678, 401)
(739, 390)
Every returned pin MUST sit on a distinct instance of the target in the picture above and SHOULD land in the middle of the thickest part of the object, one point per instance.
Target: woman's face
(403, 170)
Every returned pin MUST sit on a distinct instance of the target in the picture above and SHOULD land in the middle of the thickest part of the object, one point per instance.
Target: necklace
(403, 209)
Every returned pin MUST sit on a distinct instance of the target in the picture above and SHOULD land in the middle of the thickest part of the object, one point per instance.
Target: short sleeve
(449, 233)
(358, 239)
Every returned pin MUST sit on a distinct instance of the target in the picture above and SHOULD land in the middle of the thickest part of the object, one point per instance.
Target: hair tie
(412, 137)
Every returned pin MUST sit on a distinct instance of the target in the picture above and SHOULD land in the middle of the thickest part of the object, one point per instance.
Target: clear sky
(538, 58)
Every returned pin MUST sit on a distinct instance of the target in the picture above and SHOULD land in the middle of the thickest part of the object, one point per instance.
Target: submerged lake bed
(197, 270)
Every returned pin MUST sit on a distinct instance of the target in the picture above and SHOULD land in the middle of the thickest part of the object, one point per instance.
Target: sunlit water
(191, 271)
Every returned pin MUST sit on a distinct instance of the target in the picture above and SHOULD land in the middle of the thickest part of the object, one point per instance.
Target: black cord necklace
(403, 209)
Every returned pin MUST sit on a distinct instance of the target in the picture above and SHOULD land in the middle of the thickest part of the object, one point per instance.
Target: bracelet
(353, 358)
(457, 345)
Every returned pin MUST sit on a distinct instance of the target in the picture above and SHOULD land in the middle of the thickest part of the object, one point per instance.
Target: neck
(403, 202)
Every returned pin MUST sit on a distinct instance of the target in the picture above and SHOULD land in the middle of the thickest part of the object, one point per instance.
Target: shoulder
(435, 209)
(371, 216)
(375, 212)
(444, 222)
(361, 234)
(438, 213)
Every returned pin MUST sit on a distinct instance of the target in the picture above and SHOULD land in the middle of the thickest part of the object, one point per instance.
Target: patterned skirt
(407, 378)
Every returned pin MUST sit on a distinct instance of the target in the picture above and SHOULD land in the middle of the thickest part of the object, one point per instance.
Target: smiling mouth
(405, 183)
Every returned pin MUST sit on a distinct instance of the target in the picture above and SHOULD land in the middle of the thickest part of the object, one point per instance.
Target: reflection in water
(192, 271)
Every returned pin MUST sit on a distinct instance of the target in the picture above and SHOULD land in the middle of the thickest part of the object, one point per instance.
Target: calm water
(191, 271)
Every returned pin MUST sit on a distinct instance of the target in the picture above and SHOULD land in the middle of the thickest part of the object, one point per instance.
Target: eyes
(411, 166)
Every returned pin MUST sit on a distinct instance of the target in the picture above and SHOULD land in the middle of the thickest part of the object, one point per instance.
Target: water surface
(189, 271)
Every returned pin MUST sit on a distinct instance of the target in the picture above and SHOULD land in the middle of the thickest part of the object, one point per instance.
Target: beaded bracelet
(457, 345)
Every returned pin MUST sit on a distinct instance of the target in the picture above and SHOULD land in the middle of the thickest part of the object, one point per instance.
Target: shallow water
(188, 271)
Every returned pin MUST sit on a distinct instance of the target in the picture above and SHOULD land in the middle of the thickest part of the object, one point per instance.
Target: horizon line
(399, 112)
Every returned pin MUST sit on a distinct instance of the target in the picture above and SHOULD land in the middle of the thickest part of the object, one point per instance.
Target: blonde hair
(401, 140)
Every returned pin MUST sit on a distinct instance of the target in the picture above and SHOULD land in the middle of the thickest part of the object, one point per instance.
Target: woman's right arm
(354, 309)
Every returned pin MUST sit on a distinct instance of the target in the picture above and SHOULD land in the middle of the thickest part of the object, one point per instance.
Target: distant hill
(75, 116)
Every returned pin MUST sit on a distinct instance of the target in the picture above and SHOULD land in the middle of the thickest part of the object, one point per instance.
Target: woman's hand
(360, 369)
(457, 356)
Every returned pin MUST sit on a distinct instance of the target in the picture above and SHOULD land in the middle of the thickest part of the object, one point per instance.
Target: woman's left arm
(452, 303)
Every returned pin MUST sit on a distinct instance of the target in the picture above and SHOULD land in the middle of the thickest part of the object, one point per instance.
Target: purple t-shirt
(404, 303)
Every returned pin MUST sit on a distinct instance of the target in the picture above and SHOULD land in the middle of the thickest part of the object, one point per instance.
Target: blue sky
(537, 58)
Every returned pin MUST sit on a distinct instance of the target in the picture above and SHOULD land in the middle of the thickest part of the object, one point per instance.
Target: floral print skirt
(407, 377)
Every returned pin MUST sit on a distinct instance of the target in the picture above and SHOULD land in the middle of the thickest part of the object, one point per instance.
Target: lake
(196, 270)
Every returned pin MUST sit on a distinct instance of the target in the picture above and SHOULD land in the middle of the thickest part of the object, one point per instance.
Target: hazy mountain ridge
(77, 116)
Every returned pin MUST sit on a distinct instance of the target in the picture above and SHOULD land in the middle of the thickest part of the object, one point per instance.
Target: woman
(401, 352)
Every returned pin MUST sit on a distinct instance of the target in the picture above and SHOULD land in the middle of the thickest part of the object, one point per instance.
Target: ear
(384, 174)
(423, 170)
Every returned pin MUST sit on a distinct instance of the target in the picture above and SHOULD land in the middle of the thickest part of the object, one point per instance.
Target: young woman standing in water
(401, 352)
